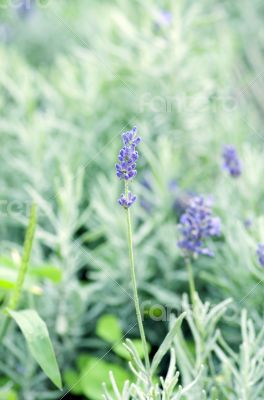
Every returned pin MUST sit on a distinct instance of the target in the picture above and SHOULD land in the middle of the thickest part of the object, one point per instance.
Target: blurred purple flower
(146, 181)
(231, 161)
(164, 18)
(25, 7)
(248, 223)
(198, 224)
(260, 253)
(173, 186)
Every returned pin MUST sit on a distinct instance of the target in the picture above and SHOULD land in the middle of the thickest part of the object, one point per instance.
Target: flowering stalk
(134, 285)
(196, 225)
(15, 297)
(126, 170)
(191, 279)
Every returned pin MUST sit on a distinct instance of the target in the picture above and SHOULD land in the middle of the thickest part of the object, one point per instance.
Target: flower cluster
(260, 253)
(127, 202)
(198, 224)
(231, 161)
(126, 167)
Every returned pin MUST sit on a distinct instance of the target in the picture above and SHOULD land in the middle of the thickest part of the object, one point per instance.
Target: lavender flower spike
(198, 224)
(126, 167)
(231, 162)
(260, 253)
(128, 156)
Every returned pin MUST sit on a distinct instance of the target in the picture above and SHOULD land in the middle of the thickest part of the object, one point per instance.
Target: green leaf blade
(165, 346)
(37, 337)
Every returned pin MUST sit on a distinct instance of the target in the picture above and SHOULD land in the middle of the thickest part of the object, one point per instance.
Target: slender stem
(134, 285)
(194, 296)
(191, 280)
(15, 296)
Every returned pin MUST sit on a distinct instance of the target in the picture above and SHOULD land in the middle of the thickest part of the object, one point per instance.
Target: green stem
(15, 296)
(134, 285)
(191, 280)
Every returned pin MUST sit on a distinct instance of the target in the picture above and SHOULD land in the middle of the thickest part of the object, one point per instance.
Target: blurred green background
(74, 76)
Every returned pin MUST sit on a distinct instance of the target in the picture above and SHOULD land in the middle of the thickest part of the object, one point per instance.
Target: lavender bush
(73, 77)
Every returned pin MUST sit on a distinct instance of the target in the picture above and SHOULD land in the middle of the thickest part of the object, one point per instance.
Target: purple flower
(127, 202)
(248, 223)
(164, 18)
(198, 224)
(260, 253)
(231, 161)
(130, 139)
(126, 167)
(128, 156)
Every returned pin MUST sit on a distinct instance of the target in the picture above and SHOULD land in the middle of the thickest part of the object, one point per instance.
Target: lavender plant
(126, 170)
(79, 234)
(202, 321)
(242, 371)
(145, 386)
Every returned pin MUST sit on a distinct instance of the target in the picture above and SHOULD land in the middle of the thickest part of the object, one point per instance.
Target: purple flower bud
(231, 162)
(260, 253)
(130, 139)
(198, 224)
(127, 202)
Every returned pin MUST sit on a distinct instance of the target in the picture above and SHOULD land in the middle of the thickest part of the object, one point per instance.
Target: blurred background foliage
(74, 76)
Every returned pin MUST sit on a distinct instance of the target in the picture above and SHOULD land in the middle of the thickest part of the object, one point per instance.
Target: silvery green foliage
(243, 371)
(149, 387)
(63, 305)
(49, 119)
(239, 374)
(202, 320)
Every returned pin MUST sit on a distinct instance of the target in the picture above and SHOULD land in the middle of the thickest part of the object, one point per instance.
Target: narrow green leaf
(165, 346)
(37, 337)
(30, 233)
